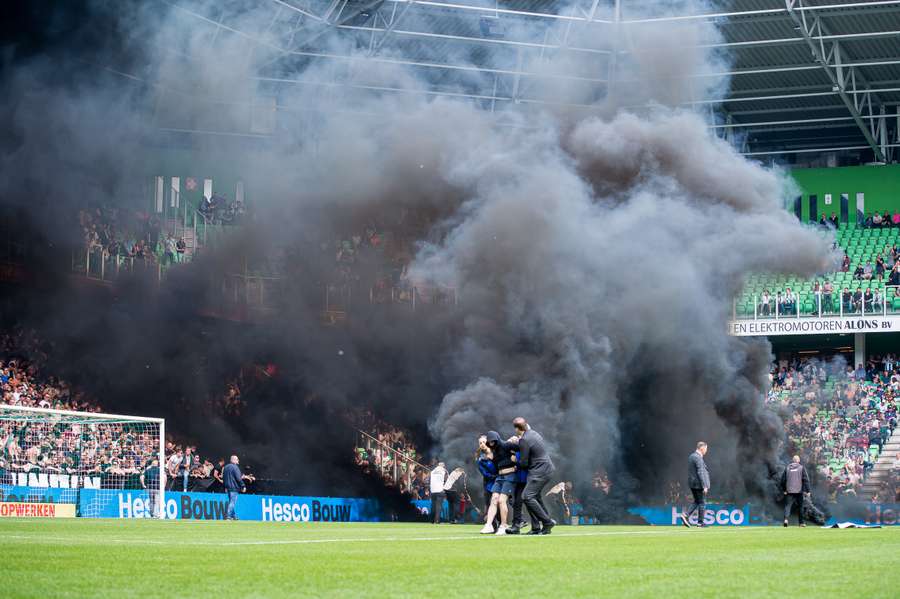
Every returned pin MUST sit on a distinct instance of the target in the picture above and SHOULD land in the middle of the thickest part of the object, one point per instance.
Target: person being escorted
(504, 453)
(698, 481)
(436, 486)
(535, 460)
(234, 485)
(795, 486)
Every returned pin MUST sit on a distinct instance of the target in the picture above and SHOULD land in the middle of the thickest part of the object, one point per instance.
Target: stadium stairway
(883, 466)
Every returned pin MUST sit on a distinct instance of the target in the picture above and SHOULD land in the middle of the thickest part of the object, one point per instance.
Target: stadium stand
(389, 452)
(867, 283)
(837, 417)
(118, 453)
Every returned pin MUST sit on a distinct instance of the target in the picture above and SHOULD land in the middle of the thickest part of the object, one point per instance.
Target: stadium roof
(807, 77)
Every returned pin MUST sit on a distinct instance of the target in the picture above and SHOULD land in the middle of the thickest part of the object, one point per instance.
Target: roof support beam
(823, 56)
(395, 20)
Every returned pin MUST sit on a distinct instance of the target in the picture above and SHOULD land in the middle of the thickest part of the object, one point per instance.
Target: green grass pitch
(143, 558)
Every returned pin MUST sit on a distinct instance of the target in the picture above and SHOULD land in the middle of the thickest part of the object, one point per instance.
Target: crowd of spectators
(872, 220)
(836, 416)
(370, 257)
(388, 451)
(120, 233)
(217, 209)
(116, 452)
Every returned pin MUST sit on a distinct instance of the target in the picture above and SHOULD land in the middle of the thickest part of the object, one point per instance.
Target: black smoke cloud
(595, 249)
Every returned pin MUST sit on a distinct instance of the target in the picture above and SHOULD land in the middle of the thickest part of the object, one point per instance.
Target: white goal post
(85, 459)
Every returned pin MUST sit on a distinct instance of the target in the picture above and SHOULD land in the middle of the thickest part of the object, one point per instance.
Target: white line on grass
(135, 541)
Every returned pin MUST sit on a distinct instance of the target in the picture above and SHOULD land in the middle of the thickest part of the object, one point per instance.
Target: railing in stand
(366, 440)
(884, 301)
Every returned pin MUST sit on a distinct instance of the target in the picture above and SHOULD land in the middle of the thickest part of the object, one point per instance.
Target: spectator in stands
(185, 466)
(845, 264)
(790, 302)
(895, 220)
(827, 296)
(172, 465)
(868, 272)
(868, 301)
(217, 471)
(834, 220)
(894, 278)
(877, 219)
(847, 300)
(879, 266)
(886, 219)
(765, 302)
(171, 252)
(857, 300)
(823, 221)
(868, 221)
(858, 272)
(180, 249)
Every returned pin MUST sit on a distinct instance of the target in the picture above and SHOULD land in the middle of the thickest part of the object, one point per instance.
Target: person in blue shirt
(234, 484)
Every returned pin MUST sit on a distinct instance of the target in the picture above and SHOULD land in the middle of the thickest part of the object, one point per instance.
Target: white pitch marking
(674, 530)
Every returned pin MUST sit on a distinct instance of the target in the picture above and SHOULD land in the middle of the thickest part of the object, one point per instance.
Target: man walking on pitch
(534, 459)
(150, 481)
(436, 486)
(795, 486)
(234, 484)
(698, 481)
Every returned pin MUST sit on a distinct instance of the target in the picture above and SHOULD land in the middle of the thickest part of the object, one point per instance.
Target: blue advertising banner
(213, 506)
(110, 503)
(716, 515)
(884, 514)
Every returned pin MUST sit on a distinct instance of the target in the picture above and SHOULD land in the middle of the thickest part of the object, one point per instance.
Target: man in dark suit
(698, 481)
(534, 459)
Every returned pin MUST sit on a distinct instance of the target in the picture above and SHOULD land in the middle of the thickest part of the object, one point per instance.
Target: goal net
(85, 459)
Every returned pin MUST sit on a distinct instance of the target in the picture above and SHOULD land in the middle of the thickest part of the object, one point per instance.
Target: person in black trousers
(535, 460)
(795, 486)
(698, 481)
